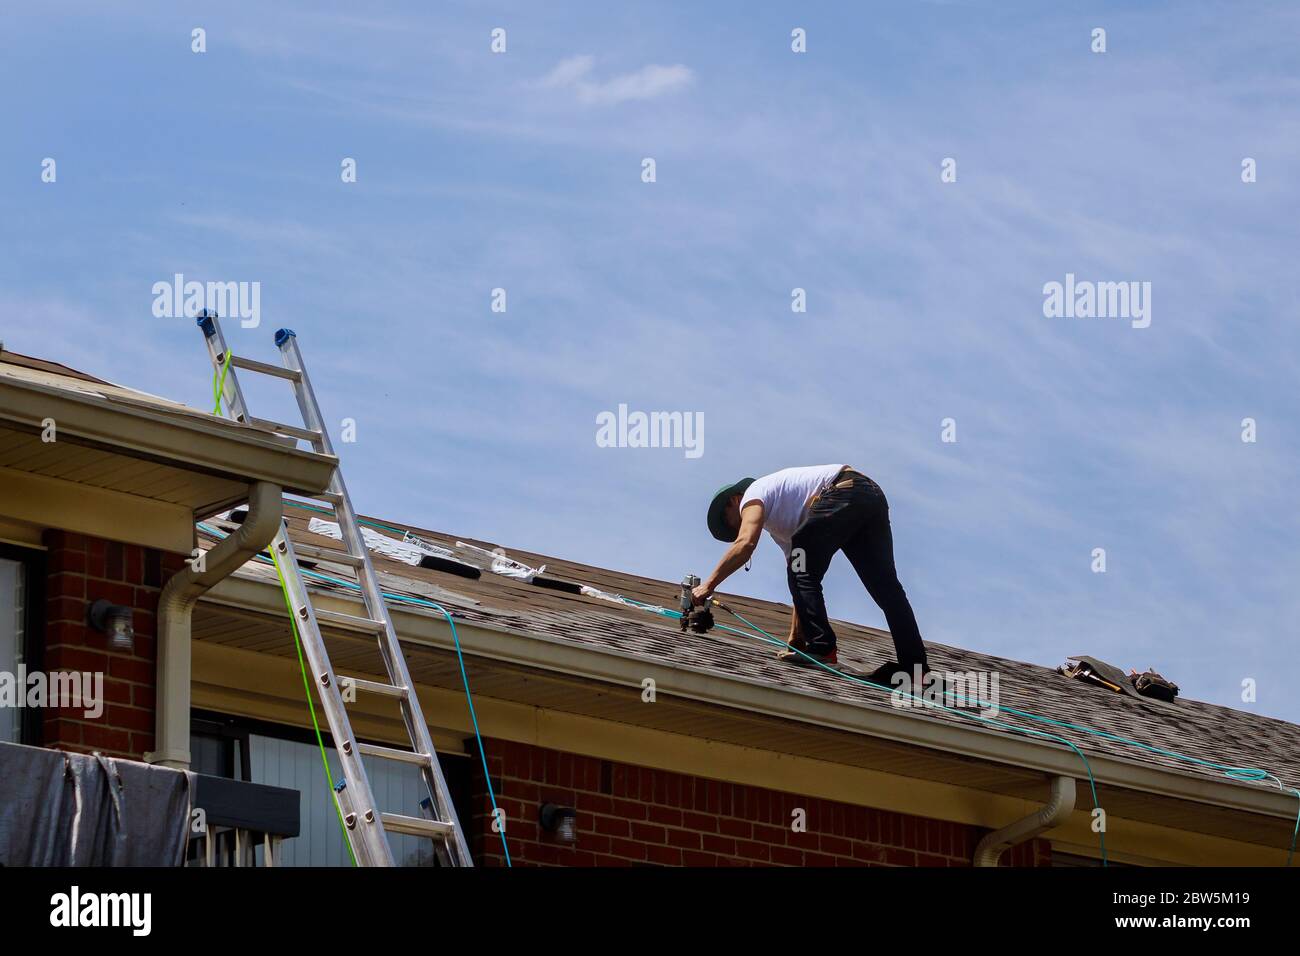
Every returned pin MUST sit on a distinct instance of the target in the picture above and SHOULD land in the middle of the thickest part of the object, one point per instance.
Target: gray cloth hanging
(65, 809)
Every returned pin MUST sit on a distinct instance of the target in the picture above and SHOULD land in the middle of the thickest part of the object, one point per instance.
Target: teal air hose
(1236, 773)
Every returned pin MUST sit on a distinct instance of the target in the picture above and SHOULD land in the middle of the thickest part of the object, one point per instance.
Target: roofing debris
(410, 549)
(501, 564)
(376, 542)
(465, 560)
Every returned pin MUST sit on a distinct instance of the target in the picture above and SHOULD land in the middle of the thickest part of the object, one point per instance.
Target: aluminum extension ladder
(366, 826)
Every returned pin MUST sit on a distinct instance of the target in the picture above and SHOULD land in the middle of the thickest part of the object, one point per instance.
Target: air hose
(1236, 773)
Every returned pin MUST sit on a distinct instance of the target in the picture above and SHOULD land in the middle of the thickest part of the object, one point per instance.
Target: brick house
(655, 747)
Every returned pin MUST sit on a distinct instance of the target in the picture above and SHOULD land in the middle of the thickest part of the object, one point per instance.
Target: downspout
(1055, 812)
(175, 607)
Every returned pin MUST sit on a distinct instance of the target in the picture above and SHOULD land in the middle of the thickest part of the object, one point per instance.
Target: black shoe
(884, 674)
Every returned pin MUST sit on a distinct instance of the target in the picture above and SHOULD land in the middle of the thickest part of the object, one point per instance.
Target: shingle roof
(1208, 732)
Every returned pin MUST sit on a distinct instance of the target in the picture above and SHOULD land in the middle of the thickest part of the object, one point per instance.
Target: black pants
(855, 520)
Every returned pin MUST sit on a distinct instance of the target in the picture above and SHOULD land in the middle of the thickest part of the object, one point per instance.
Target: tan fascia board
(194, 442)
(609, 666)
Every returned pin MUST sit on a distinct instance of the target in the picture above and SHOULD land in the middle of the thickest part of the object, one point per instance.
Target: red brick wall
(631, 816)
(80, 570)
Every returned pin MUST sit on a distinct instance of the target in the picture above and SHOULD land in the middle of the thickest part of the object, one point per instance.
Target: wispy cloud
(647, 83)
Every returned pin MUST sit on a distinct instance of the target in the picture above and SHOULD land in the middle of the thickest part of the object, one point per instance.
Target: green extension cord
(306, 686)
(219, 384)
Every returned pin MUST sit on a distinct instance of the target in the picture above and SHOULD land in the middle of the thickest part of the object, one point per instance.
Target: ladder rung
(333, 497)
(374, 687)
(253, 365)
(416, 826)
(293, 431)
(328, 554)
(392, 753)
(351, 620)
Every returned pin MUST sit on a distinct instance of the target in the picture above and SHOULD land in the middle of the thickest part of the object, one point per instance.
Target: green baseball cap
(718, 509)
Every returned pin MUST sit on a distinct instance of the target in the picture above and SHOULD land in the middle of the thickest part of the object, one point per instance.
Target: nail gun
(698, 617)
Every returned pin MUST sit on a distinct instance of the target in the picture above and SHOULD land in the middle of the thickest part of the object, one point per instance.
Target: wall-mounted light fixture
(562, 821)
(115, 621)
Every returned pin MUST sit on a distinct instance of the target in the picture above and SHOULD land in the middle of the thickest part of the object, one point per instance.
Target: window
(20, 627)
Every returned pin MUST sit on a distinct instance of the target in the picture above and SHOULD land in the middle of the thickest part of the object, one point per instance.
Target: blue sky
(774, 171)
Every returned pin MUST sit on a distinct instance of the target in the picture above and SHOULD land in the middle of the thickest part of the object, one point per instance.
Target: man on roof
(812, 513)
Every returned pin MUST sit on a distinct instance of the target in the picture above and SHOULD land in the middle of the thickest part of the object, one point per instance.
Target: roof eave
(193, 441)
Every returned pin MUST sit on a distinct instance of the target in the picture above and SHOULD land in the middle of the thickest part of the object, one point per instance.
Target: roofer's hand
(700, 593)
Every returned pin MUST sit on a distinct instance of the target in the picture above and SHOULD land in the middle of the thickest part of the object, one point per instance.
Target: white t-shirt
(785, 495)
